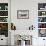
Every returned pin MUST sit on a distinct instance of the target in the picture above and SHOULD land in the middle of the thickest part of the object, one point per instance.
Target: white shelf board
(42, 16)
(3, 10)
(41, 28)
(3, 16)
(3, 1)
(41, 22)
(41, 10)
(3, 22)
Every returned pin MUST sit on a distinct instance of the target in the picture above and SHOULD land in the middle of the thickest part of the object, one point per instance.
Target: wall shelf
(4, 19)
(42, 19)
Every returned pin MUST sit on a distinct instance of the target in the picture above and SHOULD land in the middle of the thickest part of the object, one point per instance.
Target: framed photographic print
(22, 14)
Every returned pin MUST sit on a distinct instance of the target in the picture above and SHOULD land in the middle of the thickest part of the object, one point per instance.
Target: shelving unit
(4, 19)
(42, 19)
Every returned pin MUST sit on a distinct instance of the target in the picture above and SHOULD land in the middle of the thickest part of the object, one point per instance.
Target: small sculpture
(31, 27)
(13, 27)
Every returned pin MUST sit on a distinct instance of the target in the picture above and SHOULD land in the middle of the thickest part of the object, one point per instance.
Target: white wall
(23, 24)
(32, 6)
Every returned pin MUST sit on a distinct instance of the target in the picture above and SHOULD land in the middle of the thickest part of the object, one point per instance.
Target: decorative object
(41, 19)
(22, 14)
(31, 27)
(3, 19)
(26, 38)
(22, 43)
(43, 13)
(41, 6)
(4, 29)
(42, 32)
(6, 7)
(3, 6)
(13, 27)
(41, 25)
(3, 13)
(0, 7)
(23, 40)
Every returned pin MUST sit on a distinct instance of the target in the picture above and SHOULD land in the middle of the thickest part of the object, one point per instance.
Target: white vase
(22, 43)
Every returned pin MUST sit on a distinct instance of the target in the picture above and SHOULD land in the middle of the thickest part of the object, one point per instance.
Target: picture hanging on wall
(22, 14)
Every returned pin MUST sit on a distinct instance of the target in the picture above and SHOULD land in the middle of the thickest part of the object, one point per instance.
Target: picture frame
(22, 14)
